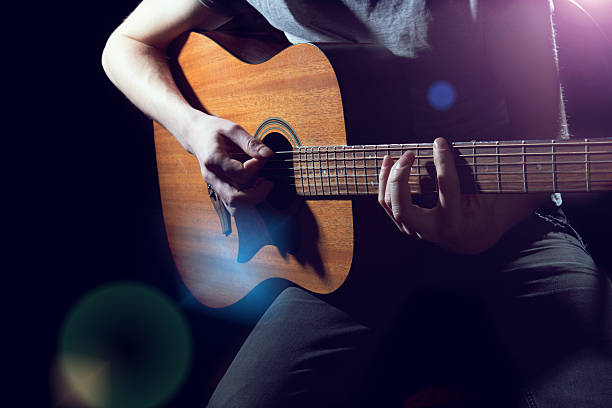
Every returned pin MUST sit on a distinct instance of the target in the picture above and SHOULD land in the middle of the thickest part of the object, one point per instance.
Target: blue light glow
(441, 95)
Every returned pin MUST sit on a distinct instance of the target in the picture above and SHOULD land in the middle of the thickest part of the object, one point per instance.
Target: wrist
(184, 128)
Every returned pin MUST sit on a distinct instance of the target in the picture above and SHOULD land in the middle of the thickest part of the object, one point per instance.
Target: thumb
(248, 143)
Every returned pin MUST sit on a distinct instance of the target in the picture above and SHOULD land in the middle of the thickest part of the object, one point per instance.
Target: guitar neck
(483, 167)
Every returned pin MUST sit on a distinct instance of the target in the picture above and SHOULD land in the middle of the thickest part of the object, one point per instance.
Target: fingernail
(401, 162)
(265, 151)
(441, 144)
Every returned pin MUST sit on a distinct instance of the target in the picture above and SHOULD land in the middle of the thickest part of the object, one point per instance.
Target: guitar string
(312, 175)
(419, 166)
(424, 157)
(320, 190)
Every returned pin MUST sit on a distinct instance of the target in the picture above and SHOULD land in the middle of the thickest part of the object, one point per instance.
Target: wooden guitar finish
(298, 86)
(317, 107)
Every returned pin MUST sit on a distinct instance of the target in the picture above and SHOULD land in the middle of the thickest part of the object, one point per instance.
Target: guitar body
(297, 96)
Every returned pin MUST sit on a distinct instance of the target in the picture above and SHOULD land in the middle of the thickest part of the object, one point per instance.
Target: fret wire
(366, 173)
(498, 168)
(313, 179)
(326, 170)
(377, 175)
(337, 188)
(417, 159)
(320, 169)
(327, 167)
(355, 172)
(474, 166)
(554, 176)
(524, 167)
(300, 156)
(586, 165)
(314, 171)
(371, 182)
(303, 159)
(343, 170)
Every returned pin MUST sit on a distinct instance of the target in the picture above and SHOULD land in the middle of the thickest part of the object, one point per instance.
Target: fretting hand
(464, 223)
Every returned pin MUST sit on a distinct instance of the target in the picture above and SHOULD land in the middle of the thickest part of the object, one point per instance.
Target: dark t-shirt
(444, 39)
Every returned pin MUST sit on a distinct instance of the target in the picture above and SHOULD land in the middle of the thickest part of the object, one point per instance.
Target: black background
(86, 208)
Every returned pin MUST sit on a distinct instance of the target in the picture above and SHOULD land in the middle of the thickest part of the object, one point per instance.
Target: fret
(311, 169)
(524, 166)
(474, 164)
(328, 170)
(304, 170)
(365, 169)
(499, 186)
(336, 171)
(554, 176)
(377, 171)
(320, 172)
(355, 172)
(317, 160)
(586, 165)
(324, 170)
(344, 171)
(301, 174)
(418, 163)
(316, 177)
(372, 156)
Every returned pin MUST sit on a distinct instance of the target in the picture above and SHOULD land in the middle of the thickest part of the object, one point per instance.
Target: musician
(494, 294)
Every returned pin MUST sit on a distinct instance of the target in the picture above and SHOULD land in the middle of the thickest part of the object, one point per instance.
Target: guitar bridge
(224, 215)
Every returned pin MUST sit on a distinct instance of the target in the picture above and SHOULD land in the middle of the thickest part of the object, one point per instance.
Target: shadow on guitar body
(288, 222)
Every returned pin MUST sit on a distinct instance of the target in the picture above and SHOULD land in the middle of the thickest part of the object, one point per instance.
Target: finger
(383, 199)
(448, 181)
(383, 175)
(234, 198)
(248, 143)
(399, 186)
(412, 218)
(227, 168)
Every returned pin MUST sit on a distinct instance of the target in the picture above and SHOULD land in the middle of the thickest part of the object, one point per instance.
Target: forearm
(134, 59)
(141, 72)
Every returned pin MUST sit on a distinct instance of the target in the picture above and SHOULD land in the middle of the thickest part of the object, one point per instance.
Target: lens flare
(441, 95)
(124, 345)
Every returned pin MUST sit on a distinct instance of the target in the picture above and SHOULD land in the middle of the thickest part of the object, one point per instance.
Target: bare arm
(134, 57)
(135, 61)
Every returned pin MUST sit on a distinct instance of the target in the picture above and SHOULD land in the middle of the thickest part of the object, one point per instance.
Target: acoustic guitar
(317, 107)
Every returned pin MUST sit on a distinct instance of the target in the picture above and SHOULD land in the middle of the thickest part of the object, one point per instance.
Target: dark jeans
(526, 324)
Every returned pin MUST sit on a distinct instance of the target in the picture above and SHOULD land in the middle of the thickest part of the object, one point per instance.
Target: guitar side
(311, 243)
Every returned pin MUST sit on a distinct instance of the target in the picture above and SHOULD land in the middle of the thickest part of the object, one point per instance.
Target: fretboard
(483, 167)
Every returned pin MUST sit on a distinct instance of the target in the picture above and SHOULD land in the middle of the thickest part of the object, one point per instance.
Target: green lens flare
(125, 345)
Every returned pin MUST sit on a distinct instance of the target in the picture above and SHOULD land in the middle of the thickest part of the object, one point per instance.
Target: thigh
(302, 352)
(551, 308)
